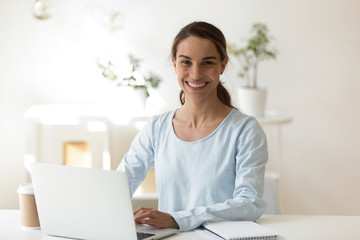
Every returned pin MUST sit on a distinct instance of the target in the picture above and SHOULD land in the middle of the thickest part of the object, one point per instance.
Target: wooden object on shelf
(149, 185)
(77, 154)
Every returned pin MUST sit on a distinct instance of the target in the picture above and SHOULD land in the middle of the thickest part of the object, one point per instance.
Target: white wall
(316, 79)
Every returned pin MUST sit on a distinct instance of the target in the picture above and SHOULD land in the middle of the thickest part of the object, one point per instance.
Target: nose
(195, 72)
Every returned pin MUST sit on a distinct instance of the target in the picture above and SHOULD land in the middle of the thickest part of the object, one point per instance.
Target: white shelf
(272, 174)
(138, 195)
(274, 118)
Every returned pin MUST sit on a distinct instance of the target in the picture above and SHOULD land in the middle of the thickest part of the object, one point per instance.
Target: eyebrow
(205, 58)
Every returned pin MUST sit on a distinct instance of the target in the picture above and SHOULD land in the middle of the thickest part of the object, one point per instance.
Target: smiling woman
(209, 158)
(205, 39)
(198, 68)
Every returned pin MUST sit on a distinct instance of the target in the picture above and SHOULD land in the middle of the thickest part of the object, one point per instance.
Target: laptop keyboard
(141, 235)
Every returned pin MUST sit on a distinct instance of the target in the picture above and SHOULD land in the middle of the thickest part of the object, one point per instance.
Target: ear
(223, 64)
(174, 62)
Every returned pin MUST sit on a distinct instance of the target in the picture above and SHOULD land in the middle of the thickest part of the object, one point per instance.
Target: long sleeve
(139, 159)
(246, 203)
(219, 177)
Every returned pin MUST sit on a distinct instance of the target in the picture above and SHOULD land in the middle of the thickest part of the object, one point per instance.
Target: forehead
(197, 47)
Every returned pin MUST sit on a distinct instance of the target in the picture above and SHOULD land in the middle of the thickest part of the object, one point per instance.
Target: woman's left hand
(154, 218)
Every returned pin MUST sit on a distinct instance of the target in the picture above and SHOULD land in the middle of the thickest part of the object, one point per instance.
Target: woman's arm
(244, 208)
(246, 204)
(139, 159)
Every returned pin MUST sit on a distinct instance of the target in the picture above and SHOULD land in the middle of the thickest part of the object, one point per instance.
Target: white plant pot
(252, 101)
(137, 98)
(139, 95)
(126, 98)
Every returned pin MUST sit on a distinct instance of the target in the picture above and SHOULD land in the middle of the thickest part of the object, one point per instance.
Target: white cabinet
(275, 120)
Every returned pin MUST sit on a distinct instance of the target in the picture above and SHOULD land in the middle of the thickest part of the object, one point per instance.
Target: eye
(185, 62)
(208, 63)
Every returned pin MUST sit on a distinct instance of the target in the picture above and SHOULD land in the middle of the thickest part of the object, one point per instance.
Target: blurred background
(315, 79)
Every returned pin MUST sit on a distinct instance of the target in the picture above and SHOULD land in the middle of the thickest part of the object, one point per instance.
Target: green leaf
(257, 49)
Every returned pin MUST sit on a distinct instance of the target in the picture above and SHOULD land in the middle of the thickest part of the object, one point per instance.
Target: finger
(138, 222)
(143, 214)
(157, 219)
(142, 211)
(139, 209)
(149, 221)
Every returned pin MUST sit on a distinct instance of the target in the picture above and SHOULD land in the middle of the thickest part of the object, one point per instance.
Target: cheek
(215, 73)
(180, 72)
(179, 77)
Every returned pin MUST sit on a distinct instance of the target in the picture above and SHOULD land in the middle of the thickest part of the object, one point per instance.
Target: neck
(196, 113)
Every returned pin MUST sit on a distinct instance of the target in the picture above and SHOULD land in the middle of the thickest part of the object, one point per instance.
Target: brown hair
(212, 33)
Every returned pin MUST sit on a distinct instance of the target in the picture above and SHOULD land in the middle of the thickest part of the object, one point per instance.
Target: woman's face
(198, 67)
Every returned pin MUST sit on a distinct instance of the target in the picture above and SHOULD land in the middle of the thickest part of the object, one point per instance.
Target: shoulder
(157, 125)
(160, 121)
(239, 119)
(244, 126)
(248, 132)
(162, 118)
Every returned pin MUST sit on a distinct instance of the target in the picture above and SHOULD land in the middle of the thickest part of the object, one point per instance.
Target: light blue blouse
(219, 177)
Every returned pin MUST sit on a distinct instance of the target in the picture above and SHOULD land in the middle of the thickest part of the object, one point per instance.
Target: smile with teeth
(194, 85)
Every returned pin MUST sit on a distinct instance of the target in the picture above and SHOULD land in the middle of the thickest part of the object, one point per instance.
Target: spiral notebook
(240, 230)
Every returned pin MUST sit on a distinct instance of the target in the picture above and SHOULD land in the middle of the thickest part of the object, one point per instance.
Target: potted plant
(136, 79)
(252, 99)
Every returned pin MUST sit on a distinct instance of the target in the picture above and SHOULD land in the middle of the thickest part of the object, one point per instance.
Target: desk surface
(294, 227)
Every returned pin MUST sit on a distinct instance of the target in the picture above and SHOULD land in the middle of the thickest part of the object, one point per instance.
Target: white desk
(294, 227)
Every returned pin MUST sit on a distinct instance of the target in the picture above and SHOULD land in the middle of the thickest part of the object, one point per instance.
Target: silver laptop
(86, 203)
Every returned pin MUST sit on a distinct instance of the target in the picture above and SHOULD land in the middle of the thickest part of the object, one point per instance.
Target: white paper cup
(28, 210)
